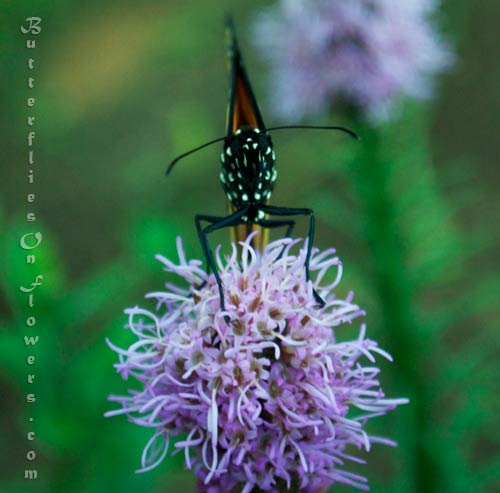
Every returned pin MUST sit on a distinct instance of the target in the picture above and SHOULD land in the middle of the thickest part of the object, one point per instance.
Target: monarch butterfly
(248, 171)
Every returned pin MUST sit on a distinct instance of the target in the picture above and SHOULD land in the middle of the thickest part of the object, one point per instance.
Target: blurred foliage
(413, 211)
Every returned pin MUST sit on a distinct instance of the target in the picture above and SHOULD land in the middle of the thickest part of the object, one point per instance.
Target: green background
(413, 210)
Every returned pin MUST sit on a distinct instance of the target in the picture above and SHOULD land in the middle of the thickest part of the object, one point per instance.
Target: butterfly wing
(242, 111)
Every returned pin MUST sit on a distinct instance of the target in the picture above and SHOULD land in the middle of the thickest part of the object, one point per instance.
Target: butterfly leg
(270, 224)
(292, 211)
(216, 223)
(198, 219)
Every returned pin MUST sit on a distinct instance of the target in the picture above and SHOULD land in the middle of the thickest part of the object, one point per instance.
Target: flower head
(271, 399)
(357, 53)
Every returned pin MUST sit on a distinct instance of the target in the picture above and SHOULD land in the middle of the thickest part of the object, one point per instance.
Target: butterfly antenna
(178, 158)
(354, 135)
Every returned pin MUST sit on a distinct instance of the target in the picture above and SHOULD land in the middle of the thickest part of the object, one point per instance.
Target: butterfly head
(248, 169)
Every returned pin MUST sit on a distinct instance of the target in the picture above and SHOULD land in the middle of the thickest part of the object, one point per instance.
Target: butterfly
(248, 172)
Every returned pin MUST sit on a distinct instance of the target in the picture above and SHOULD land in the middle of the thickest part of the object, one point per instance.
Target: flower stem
(378, 170)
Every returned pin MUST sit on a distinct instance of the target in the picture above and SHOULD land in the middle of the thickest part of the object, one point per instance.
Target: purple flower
(355, 53)
(272, 399)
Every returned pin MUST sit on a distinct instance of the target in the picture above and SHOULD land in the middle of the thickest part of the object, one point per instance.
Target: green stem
(375, 173)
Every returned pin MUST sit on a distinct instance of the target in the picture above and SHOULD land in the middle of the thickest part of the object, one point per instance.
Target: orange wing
(242, 109)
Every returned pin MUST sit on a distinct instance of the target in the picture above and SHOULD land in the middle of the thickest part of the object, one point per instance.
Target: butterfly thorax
(248, 170)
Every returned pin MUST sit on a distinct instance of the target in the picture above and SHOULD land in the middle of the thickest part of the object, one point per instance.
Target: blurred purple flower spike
(272, 400)
(362, 54)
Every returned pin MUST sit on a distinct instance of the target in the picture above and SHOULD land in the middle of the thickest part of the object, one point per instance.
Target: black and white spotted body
(248, 175)
(248, 171)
